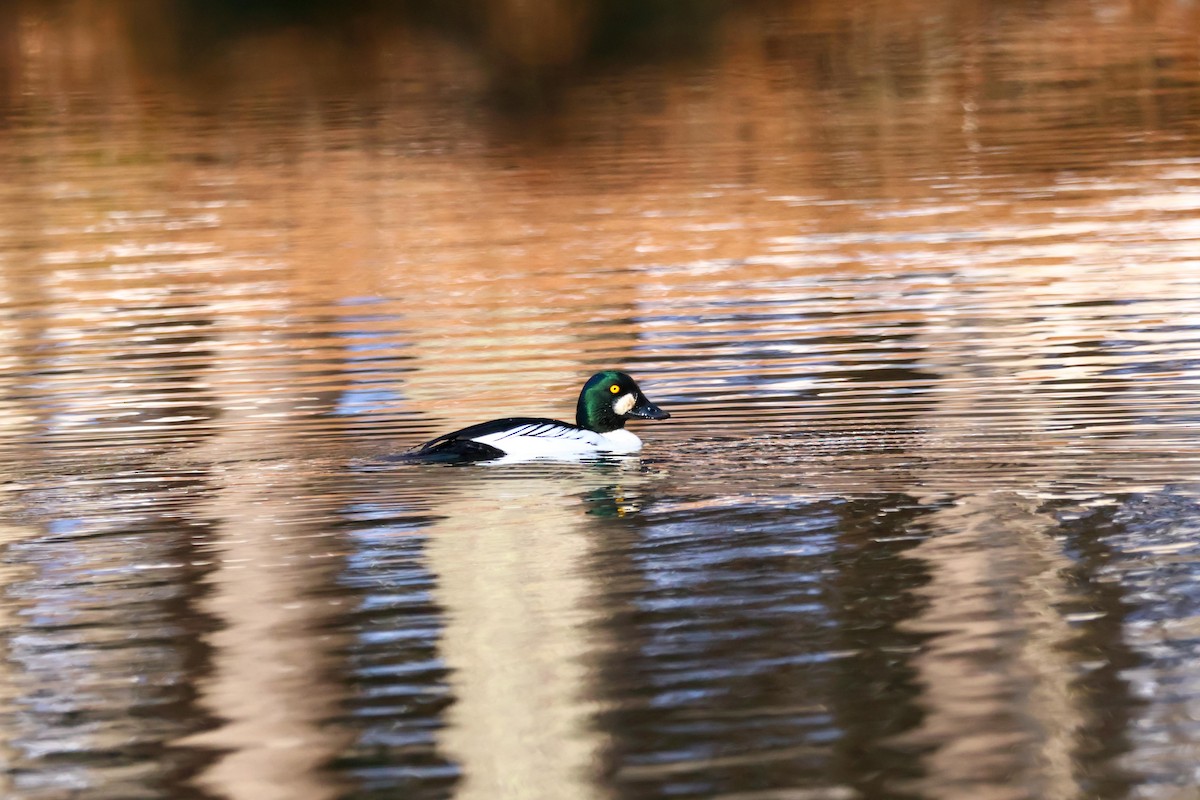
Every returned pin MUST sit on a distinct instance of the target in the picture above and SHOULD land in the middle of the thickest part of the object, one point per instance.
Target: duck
(607, 400)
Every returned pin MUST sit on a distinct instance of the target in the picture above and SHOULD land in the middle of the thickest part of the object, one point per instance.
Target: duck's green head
(608, 399)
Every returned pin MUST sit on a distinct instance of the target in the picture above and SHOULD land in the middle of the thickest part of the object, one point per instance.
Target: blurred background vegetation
(530, 49)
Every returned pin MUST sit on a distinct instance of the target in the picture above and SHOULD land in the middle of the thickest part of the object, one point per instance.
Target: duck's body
(605, 402)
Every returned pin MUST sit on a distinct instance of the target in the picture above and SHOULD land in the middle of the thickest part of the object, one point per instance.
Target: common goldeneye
(605, 402)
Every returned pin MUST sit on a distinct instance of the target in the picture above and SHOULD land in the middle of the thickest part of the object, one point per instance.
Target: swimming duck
(606, 401)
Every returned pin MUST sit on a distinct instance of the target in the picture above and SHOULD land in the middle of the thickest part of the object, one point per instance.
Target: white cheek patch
(624, 403)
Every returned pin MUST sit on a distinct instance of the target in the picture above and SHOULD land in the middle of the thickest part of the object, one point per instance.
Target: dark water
(919, 284)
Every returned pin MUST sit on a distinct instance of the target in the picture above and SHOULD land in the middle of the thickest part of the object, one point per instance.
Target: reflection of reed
(273, 653)
(997, 676)
(519, 624)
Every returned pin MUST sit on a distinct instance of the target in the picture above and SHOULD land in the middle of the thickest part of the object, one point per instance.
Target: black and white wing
(495, 439)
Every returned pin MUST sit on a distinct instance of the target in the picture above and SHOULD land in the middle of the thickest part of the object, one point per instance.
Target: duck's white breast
(622, 441)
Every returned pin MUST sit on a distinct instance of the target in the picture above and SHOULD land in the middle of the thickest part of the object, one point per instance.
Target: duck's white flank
(564, 442)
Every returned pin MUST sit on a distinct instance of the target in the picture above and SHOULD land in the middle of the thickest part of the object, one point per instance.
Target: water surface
(919, 286)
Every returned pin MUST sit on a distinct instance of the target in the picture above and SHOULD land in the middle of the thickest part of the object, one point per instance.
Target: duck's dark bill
(648, 410)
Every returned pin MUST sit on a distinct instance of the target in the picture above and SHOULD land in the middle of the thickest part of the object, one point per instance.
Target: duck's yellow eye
(614, 388)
